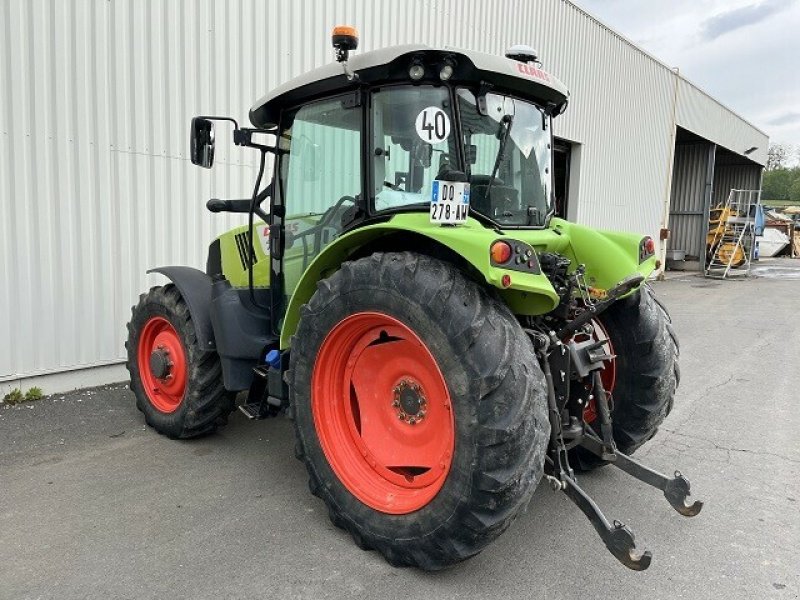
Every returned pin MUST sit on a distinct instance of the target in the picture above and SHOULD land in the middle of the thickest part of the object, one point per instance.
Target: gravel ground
(95, 505)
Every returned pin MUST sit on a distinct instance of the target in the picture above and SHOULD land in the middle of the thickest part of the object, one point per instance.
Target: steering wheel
(325, 221)
(329, 214)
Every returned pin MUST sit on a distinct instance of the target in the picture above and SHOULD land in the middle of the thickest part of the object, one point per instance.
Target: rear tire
(191, 399)
(493, 383)
(647, 373)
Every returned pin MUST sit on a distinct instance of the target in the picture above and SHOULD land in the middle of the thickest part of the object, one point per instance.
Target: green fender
(609, 257)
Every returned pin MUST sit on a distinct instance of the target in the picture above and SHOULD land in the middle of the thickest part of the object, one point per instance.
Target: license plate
(449, 201)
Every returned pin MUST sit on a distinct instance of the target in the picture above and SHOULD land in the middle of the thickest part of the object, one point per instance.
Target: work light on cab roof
(344, 39)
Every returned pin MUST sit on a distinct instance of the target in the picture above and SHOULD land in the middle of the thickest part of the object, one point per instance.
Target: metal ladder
(731, 236)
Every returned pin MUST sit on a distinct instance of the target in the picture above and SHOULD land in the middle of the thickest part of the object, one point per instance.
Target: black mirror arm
(244, 137)
(261, 214)
(229, 119)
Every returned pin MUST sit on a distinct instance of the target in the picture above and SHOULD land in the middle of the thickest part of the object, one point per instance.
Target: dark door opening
(561, 159)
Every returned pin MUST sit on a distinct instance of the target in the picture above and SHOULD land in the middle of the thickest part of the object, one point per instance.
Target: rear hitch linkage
(676, 489)
(618, 538)
(582, 360)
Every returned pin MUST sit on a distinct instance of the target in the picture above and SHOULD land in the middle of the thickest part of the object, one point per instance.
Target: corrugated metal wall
(735, 177)
(620, 113)
(96, 187)
(690, 181)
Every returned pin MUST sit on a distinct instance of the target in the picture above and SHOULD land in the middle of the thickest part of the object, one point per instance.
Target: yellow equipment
(728, 252)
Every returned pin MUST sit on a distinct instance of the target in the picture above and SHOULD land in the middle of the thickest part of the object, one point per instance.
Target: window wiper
(506, 121)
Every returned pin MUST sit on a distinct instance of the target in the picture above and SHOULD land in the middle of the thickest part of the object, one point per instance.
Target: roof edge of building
(674, 70)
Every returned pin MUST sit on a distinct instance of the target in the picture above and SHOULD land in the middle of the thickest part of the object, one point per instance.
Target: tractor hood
(390, 65)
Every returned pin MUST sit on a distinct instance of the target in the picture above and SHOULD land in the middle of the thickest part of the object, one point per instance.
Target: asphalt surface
(95, 505)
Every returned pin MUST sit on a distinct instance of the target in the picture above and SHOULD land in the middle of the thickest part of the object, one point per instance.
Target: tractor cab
(449, 133)
(404, 291)
(411, 115)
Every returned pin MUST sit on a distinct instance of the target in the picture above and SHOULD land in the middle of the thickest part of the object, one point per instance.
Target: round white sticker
(433, 125)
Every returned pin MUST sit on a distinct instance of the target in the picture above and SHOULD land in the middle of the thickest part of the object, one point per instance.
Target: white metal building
(96, 185)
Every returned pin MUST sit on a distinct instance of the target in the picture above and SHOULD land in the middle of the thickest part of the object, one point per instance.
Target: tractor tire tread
(509, 426)
(206, 404)
(644, 393)
(652, 388)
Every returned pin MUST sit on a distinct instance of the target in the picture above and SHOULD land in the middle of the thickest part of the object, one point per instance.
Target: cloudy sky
(744, 53)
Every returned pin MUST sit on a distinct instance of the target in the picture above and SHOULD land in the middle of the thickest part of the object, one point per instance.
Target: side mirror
(202, 142)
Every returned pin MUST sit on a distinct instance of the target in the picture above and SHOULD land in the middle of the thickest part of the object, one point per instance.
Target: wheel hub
(160, 364)
(410, 402)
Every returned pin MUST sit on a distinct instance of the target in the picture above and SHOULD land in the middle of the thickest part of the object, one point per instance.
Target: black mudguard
(226, 322)
(195, 287)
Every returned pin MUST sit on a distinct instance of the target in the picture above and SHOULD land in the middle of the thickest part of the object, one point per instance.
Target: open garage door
(703, 175)
(562, 159)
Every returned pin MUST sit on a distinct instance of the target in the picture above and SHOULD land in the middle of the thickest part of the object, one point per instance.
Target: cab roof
(390, 65)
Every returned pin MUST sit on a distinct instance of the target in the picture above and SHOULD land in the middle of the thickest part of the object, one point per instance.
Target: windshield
(507, 147)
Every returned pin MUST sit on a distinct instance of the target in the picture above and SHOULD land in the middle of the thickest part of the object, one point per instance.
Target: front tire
(647, 367)
(646, 371)
(419, 407)
(178, 385)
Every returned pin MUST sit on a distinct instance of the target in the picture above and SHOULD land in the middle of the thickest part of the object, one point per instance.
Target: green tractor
(404, 293)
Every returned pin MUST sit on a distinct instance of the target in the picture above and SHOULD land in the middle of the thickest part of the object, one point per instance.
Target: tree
(781, 184)
(794, 190)
(778, 156)
(776, 184)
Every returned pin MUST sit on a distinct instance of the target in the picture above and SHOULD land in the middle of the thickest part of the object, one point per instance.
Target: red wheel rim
(162, 364)
(382, 413)
(608, 375)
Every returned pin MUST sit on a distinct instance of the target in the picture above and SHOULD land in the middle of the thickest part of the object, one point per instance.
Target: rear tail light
(501, 252)
(647, 248)
(514, 255)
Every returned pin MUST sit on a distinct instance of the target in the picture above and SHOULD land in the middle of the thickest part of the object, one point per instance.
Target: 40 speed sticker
(433, 125)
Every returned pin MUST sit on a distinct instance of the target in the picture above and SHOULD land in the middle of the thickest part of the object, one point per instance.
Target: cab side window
(321, 177)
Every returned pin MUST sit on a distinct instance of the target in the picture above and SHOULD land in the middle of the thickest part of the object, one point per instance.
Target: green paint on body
(609, 257)
(234, 265)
